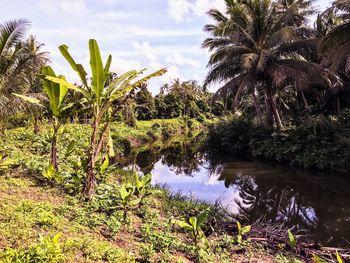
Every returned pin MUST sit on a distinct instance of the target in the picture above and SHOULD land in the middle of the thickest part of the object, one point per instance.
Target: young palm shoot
(194, 225)
(58, 108)
(100, 94)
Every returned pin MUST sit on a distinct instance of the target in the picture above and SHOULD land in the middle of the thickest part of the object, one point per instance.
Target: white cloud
(179, 9)
(179, 59)
(121, 65)
(72, 7)
(174, 32)
(184, 10)
(145, 49)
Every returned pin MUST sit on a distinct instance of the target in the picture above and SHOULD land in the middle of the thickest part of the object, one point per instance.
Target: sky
(138, 34)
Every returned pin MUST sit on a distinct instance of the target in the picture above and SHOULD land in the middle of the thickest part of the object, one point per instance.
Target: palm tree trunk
(257, 107)
(54, 157)
(268, 111)
(306, 104)
(272, 103)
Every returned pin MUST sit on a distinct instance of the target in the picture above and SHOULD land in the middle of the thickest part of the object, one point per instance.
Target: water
(312, 201)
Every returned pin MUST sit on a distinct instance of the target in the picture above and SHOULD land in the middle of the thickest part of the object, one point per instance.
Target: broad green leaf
(147, 179)
(202, 217)
(115, 84)
(76, 67)
(246, 230)
(124, 193)
(63, 89)
(292, 240)
(70, 148)
(105, 165)
(68, 85)
(98, 74)
(52, 90)
(193, 222)
(108, 65)
(49, 172)
(182, 224)
(148, 77)
(56, 238)
(135, 202)
(29, 99)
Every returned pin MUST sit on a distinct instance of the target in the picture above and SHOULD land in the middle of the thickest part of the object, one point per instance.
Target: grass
(42, 223)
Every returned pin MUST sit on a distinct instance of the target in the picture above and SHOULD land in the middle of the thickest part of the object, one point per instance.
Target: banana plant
(100, 94)
(241, 232)
(58, 108)
(143, 187)
(127, 200)
(194, 225)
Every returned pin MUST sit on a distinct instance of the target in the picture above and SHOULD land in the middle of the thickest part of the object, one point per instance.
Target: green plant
(143, 187)
(241, 232)
(292, 240)
(51, 175)
(48, 250)
(127, 200)
(100, 94)
(194, 225)
(318, 259)
(58, 107)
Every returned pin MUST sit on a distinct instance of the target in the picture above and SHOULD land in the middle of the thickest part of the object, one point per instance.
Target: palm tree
(336, 43)
(20, 62)
(260, 46)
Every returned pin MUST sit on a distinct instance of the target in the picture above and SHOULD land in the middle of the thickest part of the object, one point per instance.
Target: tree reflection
(312, 202)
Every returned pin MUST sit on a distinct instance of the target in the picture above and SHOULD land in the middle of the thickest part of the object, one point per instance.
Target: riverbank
(42, 224)
(44, 220)
(322, 142)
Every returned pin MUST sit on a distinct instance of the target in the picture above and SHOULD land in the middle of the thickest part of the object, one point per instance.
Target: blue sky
(138, 34)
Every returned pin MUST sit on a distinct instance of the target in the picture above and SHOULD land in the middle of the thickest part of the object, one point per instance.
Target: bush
(48, 250)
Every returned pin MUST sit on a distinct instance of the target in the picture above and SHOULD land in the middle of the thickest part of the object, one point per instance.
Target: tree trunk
(257, 108)
(268, 110)
(306, 104)
(54, 158)
(36, 125)
(90, 180)
(272, 103)
(338, 106)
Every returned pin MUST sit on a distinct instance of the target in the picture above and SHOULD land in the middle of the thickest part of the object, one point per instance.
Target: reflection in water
(312, 201)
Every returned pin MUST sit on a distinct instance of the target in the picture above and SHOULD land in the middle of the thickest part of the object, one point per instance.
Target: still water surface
(312, 201)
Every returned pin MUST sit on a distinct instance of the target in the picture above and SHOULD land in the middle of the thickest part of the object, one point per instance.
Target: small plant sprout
(241, 232)
(143, 187)
(51, 175)
(127, 201)
(194, 225)
(292, 240)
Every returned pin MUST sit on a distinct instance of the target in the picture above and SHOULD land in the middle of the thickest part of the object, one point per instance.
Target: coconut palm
(20, 62)
(260, 46)
(336, 43)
